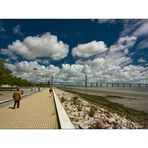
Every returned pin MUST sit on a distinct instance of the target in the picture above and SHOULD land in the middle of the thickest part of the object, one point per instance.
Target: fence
(75, 81)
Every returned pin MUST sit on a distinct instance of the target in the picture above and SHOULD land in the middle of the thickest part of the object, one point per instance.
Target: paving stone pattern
(36, 112)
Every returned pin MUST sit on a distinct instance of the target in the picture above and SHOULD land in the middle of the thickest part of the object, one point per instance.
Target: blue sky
(110, 47)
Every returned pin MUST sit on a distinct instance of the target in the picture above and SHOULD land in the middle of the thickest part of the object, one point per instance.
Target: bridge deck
(36, 112)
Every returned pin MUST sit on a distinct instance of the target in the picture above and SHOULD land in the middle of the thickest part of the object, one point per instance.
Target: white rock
(75, 114)
(87, 109)
(84, 103)
(111, 120)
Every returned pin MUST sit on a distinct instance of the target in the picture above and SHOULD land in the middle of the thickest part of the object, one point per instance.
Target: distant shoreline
(113, 91)
(131, 99)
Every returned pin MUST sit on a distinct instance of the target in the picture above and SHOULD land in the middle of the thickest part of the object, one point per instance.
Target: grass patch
(134, 115)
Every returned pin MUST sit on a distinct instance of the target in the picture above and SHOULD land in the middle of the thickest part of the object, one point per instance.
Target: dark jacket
(17, 96)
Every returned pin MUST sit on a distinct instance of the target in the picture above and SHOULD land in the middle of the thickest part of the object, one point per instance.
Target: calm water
(135, 98)
(131, 89)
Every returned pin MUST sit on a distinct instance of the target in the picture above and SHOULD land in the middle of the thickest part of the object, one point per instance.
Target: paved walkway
(36, 112)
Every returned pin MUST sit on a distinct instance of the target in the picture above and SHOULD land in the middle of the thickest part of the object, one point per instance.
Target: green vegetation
(7, 78)
(134, 115)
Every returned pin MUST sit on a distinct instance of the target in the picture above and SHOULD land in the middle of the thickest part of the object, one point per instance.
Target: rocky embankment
(85, 115)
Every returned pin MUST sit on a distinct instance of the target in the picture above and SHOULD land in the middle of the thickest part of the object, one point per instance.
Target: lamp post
(35, 69)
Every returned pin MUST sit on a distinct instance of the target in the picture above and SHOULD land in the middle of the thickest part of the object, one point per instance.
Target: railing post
(100, 84)
(112, 84)
(91, 84)
(85, 81)
(123, 84)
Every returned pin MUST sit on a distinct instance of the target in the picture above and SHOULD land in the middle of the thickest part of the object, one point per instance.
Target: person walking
(17, 97)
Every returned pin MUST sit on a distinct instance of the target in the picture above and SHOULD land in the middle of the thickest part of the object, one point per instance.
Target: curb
(65, 122)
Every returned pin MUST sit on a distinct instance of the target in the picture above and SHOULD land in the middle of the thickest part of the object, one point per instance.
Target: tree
(6, 77)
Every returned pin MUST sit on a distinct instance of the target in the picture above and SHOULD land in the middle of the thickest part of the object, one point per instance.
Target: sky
(106, 50)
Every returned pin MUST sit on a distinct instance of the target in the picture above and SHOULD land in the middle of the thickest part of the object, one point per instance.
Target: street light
(35, 69)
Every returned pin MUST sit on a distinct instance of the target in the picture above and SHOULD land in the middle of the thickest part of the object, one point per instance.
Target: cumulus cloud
(113, 66)
(89, 49)
(97, 70)
(46, 45)
(123, 44)
(25, 70)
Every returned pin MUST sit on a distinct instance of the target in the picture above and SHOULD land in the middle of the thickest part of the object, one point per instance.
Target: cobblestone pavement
(36, 112)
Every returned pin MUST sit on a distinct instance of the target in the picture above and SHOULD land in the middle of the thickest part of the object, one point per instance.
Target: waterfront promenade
(36, 111)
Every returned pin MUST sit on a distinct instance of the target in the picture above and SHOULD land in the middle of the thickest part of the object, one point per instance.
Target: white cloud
(113, 66)
(135, 27)
(123, 44)
(8, 53)
(17, 30)
(25, 70)
(103, 21)
(143, 44)
(142, 30)
(46, 45)
(97, 70)
(141, 60)
(71, 70)
(89, 49)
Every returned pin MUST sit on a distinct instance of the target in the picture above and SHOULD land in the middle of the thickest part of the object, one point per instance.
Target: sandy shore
(136, 100)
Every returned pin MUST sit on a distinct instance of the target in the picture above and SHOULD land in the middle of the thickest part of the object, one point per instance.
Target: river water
(136, 98)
